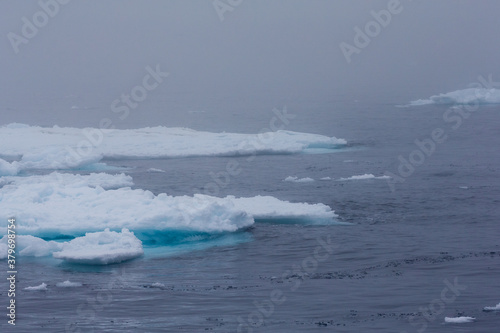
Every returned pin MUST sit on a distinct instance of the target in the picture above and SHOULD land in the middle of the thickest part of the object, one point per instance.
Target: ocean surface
(400, 256)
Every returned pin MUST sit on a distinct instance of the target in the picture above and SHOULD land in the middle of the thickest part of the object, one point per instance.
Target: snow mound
(459, 320)
(464, 96)
(101, 248)
(41, 287)
(298, 180)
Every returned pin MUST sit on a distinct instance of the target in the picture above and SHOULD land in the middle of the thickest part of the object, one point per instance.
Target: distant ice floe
(68, 284)
(326, 178)
(101, 248)
(363, 177)
(459, 320)
(464, 96)
(69, 148)
(41, 287)
(298, 180)
(155, 170)
(492, 308)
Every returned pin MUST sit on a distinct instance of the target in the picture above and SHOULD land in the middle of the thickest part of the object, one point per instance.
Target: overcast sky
(261, 46)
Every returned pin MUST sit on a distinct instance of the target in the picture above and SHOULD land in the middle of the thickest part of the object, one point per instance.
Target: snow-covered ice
(49, 207)
(68, 148)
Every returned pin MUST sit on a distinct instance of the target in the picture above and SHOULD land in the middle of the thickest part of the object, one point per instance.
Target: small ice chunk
(155, 170)
(102, 248)
(364, 176)
(41, 287)
(298, 180)
(492, 308)
(459, 320)
(68, 283)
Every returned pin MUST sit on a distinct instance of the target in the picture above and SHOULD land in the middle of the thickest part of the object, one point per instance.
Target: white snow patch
(101, 248)
(459, 320)
(41, 287)
(298, 180)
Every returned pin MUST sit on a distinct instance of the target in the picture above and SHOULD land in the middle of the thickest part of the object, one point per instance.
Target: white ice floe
(464, 96)
(101, 248)
(104, 180)
(68, 284)
(326, 178)
(67, 148)
(298, 180)
(41, 287)
(155, 170)
(492, 308)
(270, 208)
(49, 207)
(364, 176)
(157, 285)
(459, 320)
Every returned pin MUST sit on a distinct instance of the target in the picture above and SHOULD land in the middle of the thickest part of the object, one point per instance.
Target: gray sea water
(411, 255)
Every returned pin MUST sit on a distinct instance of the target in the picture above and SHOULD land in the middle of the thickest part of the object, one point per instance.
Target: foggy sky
(276, 47)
